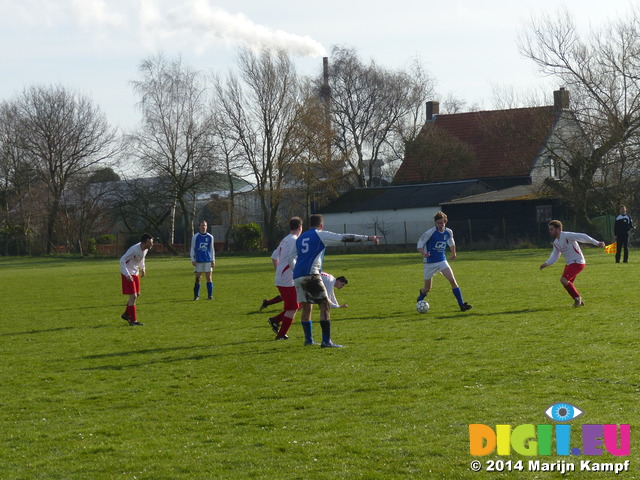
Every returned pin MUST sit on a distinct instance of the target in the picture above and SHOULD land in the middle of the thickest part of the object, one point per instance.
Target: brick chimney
(433, 109)
(561, 100)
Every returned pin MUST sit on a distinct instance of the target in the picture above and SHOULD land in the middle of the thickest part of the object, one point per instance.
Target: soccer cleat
(265, 304)
(196, 298)
(465, 306)
(578, 302)
(330, 344)
(283, 337)
(135, 323)
(307, 344)
(275, 326)
(421, 295)
(125, 317)
(209, 298)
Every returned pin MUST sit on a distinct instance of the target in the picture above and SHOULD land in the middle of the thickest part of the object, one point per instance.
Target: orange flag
(613, 248)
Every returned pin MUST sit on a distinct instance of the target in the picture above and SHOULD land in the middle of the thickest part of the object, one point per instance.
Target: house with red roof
(484, 169)
(502, 148)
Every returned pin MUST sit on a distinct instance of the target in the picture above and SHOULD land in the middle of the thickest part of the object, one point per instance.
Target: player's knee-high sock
(308, 331)
(572, 290)
(276, 299)
(284, 326)
(458, 294)
(196, 290)
(325, 325)
(131, 311)
(210, 288)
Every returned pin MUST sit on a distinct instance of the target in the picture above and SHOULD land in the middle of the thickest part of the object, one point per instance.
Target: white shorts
(203, 267)
(310, 289)
(430, 269)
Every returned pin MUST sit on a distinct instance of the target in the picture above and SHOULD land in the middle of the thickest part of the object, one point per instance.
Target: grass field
(203, 392)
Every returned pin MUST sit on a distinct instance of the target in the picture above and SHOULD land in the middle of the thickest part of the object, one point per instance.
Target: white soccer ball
(422, 306)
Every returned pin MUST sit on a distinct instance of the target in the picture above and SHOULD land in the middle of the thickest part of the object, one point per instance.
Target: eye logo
(563, 412)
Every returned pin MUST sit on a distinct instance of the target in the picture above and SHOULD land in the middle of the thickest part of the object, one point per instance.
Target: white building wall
(395, 226)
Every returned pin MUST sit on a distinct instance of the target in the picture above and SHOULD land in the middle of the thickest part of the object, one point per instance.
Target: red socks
(284, 326)
(572, 290)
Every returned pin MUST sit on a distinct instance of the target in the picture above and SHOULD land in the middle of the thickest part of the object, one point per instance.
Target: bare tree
(228, 151)
(175, 139)
(602, 72)
(317, 172)
(62, 135)
(16, 192)
(374, 110)
(260, 107)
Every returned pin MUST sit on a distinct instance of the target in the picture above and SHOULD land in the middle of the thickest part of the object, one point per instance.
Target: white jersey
(329, 282)
(132, 262)
(567, 244)
(285, 255)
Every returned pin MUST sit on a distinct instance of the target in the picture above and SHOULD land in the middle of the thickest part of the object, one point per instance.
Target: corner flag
(613, 248)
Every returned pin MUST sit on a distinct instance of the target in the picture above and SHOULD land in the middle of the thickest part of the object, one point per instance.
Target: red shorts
(130, 288)
(290, 298)
(572, 270)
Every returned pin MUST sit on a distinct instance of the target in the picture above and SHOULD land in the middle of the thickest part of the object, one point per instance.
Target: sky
(94, 47)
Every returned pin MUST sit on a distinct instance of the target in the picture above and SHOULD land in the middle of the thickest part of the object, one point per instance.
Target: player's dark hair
(440, 215)
(315, 220)
(555, 224)
(295, 223)
(342, 279)
(145, 237)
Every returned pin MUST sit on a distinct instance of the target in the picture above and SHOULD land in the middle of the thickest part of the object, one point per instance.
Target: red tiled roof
(489, 144)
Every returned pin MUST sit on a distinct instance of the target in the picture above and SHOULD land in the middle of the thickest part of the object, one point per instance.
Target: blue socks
(325, 325)
(210, 289)
(458, 294)
(308, 334)
(196, 290)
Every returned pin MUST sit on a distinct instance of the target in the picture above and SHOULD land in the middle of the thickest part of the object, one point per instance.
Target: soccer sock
(458, 294)
(284, 326)
(196, 290)
(210, 288)
(308, 331)
(325, 325)
(133, 314)
(276, 299)
(572, 290)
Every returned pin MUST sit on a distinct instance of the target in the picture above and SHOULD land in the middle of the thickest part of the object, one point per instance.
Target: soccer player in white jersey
(432, 245)
(310, 248)
(132, 267)
(332, 283)
(284, 261)
(203, 259)
(566, 243)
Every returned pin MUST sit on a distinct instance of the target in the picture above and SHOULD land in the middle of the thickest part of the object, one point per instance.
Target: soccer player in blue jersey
(432, 245)
(310, 247)
(203, 259)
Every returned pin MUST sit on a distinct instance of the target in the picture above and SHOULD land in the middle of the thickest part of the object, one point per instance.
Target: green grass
(203, 392)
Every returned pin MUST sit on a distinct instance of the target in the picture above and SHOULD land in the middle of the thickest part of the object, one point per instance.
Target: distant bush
(247, 237)
(106, 239)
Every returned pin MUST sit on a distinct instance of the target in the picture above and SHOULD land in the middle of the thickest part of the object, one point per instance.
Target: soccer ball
(422, 306)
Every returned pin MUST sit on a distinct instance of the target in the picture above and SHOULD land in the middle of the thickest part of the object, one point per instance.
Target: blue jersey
(202, 250)
(311, 245)
(435, 242)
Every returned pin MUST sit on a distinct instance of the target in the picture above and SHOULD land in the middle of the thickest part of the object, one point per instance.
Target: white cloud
(199, 24)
